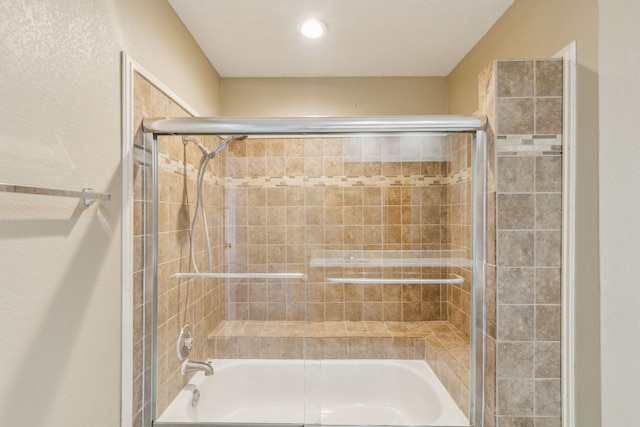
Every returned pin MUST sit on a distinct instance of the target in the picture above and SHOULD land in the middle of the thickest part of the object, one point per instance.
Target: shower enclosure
(322, 239)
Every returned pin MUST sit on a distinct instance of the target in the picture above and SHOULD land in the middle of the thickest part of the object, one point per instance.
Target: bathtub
(329, 392)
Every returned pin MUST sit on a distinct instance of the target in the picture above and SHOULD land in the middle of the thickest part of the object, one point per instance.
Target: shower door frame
(308, 126)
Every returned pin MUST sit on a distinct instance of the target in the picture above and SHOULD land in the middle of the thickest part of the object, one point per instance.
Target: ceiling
(259, 38)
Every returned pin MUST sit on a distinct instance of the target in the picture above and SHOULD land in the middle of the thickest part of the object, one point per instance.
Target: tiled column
(528, 146)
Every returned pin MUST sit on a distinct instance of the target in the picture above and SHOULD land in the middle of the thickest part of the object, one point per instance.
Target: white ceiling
(259, 38)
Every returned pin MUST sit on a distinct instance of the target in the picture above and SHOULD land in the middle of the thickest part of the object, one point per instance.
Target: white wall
(620, 210)
(60, 310)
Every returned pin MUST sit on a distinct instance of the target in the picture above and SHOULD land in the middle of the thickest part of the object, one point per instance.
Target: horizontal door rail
(311, 125)
(87, 195)
(240, 276)
(457, 280)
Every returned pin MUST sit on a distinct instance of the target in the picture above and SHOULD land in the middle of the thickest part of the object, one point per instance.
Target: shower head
(187, 139)
(212, 154)
(225, 142)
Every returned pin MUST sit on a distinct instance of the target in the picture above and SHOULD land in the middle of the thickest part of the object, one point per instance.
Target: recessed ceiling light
(313, 28)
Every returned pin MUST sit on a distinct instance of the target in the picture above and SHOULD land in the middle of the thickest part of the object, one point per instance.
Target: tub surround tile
(524, 105)
(515, 115)
(516, 174)
(516, 360)
(516, 422)
(548, 211)
(547, 360)
(515, 397)
(548, 115)
(548, 176)
(548, 286)
(516, 248)
(515, 79)
(548, 323)
(548, 248)
(516, 322)
(549, 78)
(515, 285)
(548, 398)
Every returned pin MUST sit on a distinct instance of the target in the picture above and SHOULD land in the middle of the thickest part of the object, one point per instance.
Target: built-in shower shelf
(389, 258)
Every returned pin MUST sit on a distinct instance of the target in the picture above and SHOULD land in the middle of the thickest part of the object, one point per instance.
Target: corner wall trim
(569, 56)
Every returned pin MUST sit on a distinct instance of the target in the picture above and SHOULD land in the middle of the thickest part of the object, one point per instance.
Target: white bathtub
(329, 392)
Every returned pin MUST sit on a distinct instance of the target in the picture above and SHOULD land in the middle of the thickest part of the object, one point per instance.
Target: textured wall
(619, 207)
(60, 302)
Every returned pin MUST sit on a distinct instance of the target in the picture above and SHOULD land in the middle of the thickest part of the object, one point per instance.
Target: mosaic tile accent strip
(170, 165)
(529, 145)
(348, 181)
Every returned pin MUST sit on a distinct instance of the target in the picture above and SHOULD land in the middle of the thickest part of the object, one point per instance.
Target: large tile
(515, 360)
(549, 78)
(548, 116)
(548, 176)
(547, 360)
(548, 323)
(516, 323)
(515, 248)
(515, 78)
(515, 397)
(515, 116)
(516, 174)
(548, 398)
(516, 285)
(548, 248)
(548, 211)
(548, 286)
(516, 211)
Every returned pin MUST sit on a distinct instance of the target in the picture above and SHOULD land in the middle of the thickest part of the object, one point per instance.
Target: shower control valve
(185, 343)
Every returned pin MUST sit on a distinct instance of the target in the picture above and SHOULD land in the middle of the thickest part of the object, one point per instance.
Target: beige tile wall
(458, 297)
(197, 302)
(523, 288)
(295, 202)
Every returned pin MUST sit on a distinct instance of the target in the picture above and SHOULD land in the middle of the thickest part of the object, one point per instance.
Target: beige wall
(540, 28)
(60, 284)
(619, 207)
(282, 97)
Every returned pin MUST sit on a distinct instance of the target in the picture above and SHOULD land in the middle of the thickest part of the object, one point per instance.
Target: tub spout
(192, 365)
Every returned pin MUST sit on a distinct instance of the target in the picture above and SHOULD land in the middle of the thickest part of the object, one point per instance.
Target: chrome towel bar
(457, 280)
(240, 276)
(87, 195)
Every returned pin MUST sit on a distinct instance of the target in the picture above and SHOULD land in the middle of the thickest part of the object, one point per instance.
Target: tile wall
(338, 207)
(328, 207)
(458, 297)
(196, 302)
(523, 100)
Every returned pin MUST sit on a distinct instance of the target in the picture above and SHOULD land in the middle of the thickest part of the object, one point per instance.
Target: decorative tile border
(170, 165)
(348, 181)
(529, 145)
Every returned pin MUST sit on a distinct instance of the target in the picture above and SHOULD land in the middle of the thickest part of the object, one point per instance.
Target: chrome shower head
(225, 142)
(187, 139)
